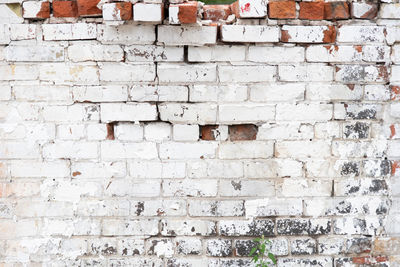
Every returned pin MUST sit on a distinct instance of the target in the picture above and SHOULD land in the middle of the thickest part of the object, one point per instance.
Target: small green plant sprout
(258, 253)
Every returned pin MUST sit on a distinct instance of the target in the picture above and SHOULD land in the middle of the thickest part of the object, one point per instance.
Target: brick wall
(157, 134)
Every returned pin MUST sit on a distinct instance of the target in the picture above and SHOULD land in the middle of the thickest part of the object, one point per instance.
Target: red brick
(369, 260)
(207, 132)
(330, 35)
(88, 8)
(44, 12)
(311, 10)
(125, 10)
(395, 92)
(336, 10)
(243, 132)
(110, 131)
(282, 10)
(216, 12)
(187, 12)
(65, 9)
(396, 170)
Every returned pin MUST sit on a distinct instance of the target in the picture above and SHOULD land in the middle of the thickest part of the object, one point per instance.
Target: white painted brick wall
(140, 143)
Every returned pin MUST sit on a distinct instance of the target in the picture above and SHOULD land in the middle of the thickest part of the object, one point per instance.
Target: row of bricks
(186, 13)
(90, 74)
(111, 150)
(369, 225)
(268, 92)
(187, 35)
(93, 51)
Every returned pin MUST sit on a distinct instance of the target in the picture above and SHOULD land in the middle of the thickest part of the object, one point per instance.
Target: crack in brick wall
(171, 134)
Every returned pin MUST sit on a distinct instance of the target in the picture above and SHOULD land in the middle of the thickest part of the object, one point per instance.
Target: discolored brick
(65, 9)
(88, 8)
(282, 10)
(243, 132)
(312, 10)
(216, 12)
(336, 10)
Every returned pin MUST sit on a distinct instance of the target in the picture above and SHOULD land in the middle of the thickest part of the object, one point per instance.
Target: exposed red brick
(392, 131)
(187, 12)
(336, 10)
(329, 35)
(125, 10)
(216, 12)
(243, 132)
(74, 174)
(88, 8)
(351, 86)
(65, 9)
(395, 92)
(207, 132)
(383, 72)
(110, 131)
(395, 167)
(44, 12)
(311, 10)
(285, 36)
(282, 10)
(358, 48)
(235, 9)
(369, 259)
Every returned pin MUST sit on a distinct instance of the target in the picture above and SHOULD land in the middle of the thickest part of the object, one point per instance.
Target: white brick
(358, 149)
(39, 169)
(395, 77)
(4, 34)
(173, 207)
(252, 9)
(74, 31)
(106, 93)
(191, 188)
(96, 131)
(188, 113)
(394, 148)
(8, 16)
(74, 113)
(145, 12)
(18, 150)
(333, 53)
(64, 73)
(125, 187)
(83, 170)
(111, 12)
(5, 91)
(271, 92)
(246, 150)
(304, 112)
(70, 149)
(246, 188)
(112, 227)
(395, 110)
(157, 170)
(120, 72)
(153, 53)
(170, 73)
(126, 34)
(78, 52)
(114, 150)
(304, 188)
(396, 53)
(173, 227)
(31, 9)
(376, 53)
(142, 93)
(171, 150)
(250, 33)
(331, 91)
(361, 34)
(282, 131)
(71, 132)
(18, 72)
(206, 208)
(276, 54)
(39, 93)
(242, 74)
(392, 35)
(221, 93)
(326, 130)
(302, 149)
(250, 113)
(228, 53)
(361, 10)
(128, 112)
(186, 132)
(187, 35)
(23, 31)
(376, 92)
(158, 131)
(128, 132)
(361, 73)
(305, 73)
(389, 11)
(306, 34)
(273, 207)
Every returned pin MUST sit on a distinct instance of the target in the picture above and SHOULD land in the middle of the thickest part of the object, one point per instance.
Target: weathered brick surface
(126, 140)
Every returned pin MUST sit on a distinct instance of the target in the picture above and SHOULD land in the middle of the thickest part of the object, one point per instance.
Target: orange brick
(282, 10)
(216, 12)
(87, 8)
(187, 13)
(312, 10)
(336, 10)
(65, 9)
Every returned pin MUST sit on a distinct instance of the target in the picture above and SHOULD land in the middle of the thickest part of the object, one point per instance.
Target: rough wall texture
(129, 141)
